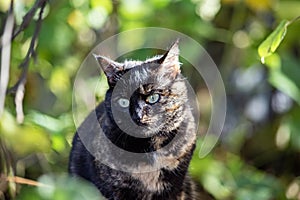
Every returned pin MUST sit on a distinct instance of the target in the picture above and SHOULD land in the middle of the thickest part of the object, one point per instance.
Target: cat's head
(151, 92)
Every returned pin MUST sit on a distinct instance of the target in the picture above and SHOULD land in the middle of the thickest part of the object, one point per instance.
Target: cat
(152, 95)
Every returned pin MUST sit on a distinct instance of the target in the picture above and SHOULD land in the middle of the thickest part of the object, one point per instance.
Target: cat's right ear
(110, 68)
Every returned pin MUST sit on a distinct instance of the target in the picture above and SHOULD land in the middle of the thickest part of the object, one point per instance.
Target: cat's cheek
(120, 115)
(157, 120)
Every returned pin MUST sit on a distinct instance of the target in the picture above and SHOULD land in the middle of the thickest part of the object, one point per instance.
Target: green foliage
(25, 139)
(269, 45)
(232, 178)
(255, 159)
(284, 83)
(281, 79)
(60, 188)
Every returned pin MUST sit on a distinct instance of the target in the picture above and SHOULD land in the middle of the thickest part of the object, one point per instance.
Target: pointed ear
(170, 61)
(109, 67)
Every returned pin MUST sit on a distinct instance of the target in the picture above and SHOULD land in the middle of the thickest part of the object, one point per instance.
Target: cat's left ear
(170, 64)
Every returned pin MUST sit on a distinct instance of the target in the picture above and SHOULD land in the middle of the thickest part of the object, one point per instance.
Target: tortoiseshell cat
(158, 103)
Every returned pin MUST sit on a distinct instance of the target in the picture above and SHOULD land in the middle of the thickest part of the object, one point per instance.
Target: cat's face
(151, 93)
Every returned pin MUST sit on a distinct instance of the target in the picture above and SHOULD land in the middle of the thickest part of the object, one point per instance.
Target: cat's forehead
(139, 71)
(138, 76)
(129, 64)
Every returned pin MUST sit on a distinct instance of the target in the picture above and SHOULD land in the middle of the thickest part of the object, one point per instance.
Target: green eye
(124, 103)
(153, 98)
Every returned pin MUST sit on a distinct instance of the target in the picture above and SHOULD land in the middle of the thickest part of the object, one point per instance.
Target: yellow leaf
(259, 5)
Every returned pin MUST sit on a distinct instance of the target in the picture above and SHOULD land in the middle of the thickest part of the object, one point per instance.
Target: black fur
(167, 123)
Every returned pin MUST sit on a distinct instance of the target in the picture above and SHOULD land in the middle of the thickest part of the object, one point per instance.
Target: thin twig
(28, 17)
(20, 180)
(293, 20)
(5, 56)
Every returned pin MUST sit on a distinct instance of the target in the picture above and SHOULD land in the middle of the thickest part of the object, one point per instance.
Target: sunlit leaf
(76, 20)
(160, 3)
(273, 61)
(107, 4)
(134, 9)
(285, 85)
(4, 5)
(58, 142)
(59, 81)
(259, 5)
(23, 139)
(269, 45)
(48, 122)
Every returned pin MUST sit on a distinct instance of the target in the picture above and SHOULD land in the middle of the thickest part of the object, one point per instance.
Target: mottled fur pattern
(169, 122)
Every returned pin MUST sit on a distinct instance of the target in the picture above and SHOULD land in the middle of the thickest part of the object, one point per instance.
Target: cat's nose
(141, 113)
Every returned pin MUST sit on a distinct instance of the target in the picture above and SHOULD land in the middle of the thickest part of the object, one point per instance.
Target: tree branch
(19, 87)
(28, 17)
(5, 56)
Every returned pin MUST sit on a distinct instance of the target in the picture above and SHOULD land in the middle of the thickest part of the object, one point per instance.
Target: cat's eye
(153, 98)
(124, 103)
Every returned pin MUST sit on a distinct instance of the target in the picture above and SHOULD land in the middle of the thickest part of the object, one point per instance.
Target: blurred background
(258, 154)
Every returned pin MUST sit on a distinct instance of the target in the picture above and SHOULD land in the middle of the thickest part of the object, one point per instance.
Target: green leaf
(23, 139)
(269, 45)
(60, 187)
(273, 62)
(285, 84)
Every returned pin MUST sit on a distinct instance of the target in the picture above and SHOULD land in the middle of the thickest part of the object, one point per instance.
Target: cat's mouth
(143, 121)
(149, 128)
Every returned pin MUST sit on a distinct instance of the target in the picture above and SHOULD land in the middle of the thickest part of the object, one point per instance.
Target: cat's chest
(151, 181)
(158, 179)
